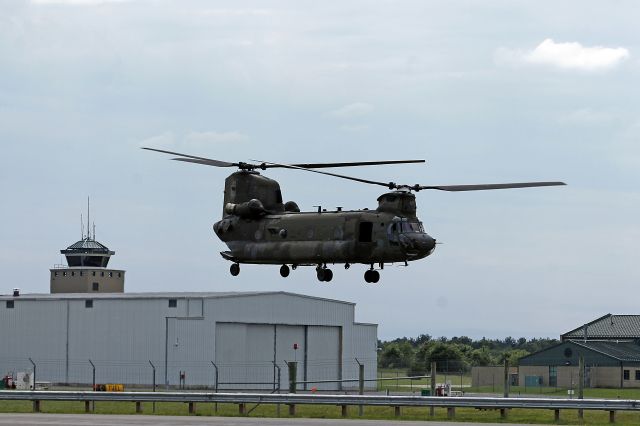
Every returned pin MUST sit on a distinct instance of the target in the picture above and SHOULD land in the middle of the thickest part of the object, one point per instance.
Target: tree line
(457, 354)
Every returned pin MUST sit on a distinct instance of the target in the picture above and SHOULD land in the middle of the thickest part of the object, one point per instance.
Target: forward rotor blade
(202, 160)
(296, 167)
(354, 164)
(483, 187)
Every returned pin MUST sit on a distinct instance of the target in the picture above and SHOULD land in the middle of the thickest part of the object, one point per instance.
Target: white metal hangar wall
(248, 336)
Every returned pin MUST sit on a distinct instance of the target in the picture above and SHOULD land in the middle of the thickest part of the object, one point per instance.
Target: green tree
(447, 357)
(481, 357)
(396, 355)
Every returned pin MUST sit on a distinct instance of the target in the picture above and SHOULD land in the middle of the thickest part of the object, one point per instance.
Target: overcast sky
(492, 91)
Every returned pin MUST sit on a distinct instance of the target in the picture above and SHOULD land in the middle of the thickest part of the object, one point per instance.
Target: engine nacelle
(251, 209)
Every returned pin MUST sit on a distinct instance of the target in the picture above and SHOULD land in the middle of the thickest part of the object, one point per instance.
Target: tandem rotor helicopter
(258, 228)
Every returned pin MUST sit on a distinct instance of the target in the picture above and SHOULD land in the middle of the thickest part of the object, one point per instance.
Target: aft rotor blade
(353, 164)
(201, 160)
(488, 186)
(390, 185)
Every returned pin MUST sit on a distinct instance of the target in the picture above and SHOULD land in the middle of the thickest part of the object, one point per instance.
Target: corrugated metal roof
(87, 244)
(160, 295)
(608, 327)
(622, 351)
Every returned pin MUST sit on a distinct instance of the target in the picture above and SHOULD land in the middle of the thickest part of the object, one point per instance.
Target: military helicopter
(258, 228)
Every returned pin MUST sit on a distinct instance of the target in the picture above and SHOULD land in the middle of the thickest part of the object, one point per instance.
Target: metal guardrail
(556, 404)
(373, 400)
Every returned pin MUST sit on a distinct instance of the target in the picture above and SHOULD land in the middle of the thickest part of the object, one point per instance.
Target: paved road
(117, 420)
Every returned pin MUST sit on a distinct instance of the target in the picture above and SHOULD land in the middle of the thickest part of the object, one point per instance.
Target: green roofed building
(609, 345)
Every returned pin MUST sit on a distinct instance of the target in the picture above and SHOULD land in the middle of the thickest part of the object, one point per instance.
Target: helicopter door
(366, 232)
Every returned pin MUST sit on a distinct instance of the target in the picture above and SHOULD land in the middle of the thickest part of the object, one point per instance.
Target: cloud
(355, 110)
(193, 140)
(570, 56)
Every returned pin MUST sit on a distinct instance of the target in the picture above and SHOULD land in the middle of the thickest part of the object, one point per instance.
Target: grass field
(380, 413)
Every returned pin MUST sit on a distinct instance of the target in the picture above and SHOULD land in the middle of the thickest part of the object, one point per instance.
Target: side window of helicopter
(392, 233)
(366, 232)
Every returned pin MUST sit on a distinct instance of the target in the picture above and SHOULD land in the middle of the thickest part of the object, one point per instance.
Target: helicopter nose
(418, 246)
(427, 243)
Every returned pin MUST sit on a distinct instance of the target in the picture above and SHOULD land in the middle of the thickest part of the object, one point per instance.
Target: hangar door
(324, 358)
(246, 353)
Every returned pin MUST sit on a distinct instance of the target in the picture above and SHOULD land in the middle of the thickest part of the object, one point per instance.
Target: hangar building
(248, 336)
(225, 340)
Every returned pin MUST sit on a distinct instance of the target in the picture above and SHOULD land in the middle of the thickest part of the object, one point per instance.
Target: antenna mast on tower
(88, 219)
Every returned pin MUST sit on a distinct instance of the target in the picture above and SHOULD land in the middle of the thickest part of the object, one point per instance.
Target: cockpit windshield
(412, 227)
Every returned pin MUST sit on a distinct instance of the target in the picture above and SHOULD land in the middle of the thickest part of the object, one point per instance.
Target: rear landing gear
(324, 274)
(234, 269)
(372, 276)
(284, 271)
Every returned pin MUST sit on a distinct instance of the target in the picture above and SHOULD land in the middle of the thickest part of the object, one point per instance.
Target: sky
(485, 92)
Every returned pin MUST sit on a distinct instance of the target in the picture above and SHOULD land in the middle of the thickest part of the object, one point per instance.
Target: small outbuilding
(609, 346)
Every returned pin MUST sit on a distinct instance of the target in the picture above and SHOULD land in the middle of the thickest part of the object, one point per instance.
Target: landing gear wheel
(328, 275)
(371, 276)
(284, 271)
(324, 274)
(234, 269)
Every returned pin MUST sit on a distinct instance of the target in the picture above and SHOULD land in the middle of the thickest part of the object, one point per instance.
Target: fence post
(93, 384)
(277, 368)
(93, 376)
(293, 376)
(293, 372)
(506, 378)
(581, 384)
(34, 374)
(215, 384)
(360, 385)
(432, 409)
(153, 383)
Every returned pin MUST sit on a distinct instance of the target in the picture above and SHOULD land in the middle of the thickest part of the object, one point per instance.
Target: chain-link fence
(311, 375)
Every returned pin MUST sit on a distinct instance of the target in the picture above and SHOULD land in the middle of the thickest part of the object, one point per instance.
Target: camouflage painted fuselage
(257, 228)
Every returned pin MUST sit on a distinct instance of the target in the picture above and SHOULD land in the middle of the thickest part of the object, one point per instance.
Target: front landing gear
(234, 269)
(324, 274)
(372, 276)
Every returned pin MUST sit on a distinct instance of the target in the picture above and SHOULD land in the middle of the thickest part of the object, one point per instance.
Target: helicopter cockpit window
(412, 227)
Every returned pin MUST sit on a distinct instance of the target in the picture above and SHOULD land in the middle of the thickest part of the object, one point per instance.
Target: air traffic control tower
(87, 270)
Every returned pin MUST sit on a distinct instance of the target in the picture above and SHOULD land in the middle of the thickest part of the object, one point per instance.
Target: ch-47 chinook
(258, 228)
